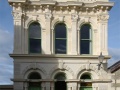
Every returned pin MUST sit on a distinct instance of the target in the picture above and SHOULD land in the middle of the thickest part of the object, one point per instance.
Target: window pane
(35, 30)
(85, 31)
(60, 46)
(84, 46)
(60, 30)
(35, 45)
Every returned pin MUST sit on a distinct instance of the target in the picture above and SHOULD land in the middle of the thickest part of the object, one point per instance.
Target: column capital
(74, 17)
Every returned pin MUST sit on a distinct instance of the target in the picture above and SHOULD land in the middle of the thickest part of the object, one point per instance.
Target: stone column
(74, 37)
(25, 86)
(69, 87)
(43, 86)
(78, 88)
(48, 17)
(52, 86)
(74, 86)
(47, 85)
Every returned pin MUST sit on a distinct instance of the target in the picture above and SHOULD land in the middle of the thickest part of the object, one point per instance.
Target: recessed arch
(92, 71)
(65, 69)
(34, 68)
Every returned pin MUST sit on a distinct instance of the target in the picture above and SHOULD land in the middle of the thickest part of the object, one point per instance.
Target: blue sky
(6, 39)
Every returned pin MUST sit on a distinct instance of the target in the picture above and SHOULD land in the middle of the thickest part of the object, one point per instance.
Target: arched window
(60, 39)
(85, 39)
(60, 84)
(34, 85)
(86, 83)
(35, 38)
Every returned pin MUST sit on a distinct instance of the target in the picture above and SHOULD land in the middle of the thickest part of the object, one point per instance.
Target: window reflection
(85, 39)
(60, 38)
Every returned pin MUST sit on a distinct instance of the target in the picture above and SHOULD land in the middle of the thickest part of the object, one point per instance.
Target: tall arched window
(32, 84)
(35, 38)
(60, 39)
(85, 39)
(86, 84)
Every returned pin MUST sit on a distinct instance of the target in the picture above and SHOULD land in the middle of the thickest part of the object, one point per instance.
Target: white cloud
(115, 53)
(6, 44)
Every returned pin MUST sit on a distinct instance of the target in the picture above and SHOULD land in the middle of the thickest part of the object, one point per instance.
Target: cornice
(56, 56)
(68, 80)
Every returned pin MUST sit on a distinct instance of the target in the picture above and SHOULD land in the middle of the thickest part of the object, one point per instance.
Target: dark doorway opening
(60, 85)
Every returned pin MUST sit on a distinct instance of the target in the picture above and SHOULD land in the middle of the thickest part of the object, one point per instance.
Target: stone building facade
(115, 71)
(57, 44)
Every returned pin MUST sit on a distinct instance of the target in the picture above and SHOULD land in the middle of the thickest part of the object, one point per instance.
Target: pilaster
(74, 18)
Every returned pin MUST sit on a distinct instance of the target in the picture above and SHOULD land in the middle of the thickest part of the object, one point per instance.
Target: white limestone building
(57, 44)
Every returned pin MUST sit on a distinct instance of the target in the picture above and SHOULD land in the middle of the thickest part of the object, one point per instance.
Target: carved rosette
(74, 17)
(103, 17)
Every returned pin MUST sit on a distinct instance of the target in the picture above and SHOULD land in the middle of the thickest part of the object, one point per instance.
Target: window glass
(85, 31)
(60, 38)
(35, 38)
(85, 47)
(35, 30)
(34, 75)
(85, 39)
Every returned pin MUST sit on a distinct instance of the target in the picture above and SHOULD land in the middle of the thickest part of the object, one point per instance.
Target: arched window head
(35, 38)
(85, 39)
(34, 75)
(60, 39)
(60, 77)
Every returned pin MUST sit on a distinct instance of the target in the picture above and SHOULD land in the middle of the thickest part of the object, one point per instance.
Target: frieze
(103, 17)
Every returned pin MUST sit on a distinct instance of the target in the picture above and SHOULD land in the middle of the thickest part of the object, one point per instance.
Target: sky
(6, 39)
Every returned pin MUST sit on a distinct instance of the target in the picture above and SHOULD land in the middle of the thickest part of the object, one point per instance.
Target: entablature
(68, 4)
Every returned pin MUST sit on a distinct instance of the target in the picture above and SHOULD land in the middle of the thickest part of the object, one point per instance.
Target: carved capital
(17, 15)
(74, 17)
(103, 17)
(48, 16)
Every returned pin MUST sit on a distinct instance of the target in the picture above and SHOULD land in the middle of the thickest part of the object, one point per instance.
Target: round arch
(56, 21)
(31, 20)
(91, 22)
(92, 70)
(65, 69)
(32, 68)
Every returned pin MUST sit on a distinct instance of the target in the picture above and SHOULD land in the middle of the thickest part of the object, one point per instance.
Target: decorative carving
(61, 18)
(103, 17)
(74, 17)
(87, 19)
(48, 16)
(17, 15)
